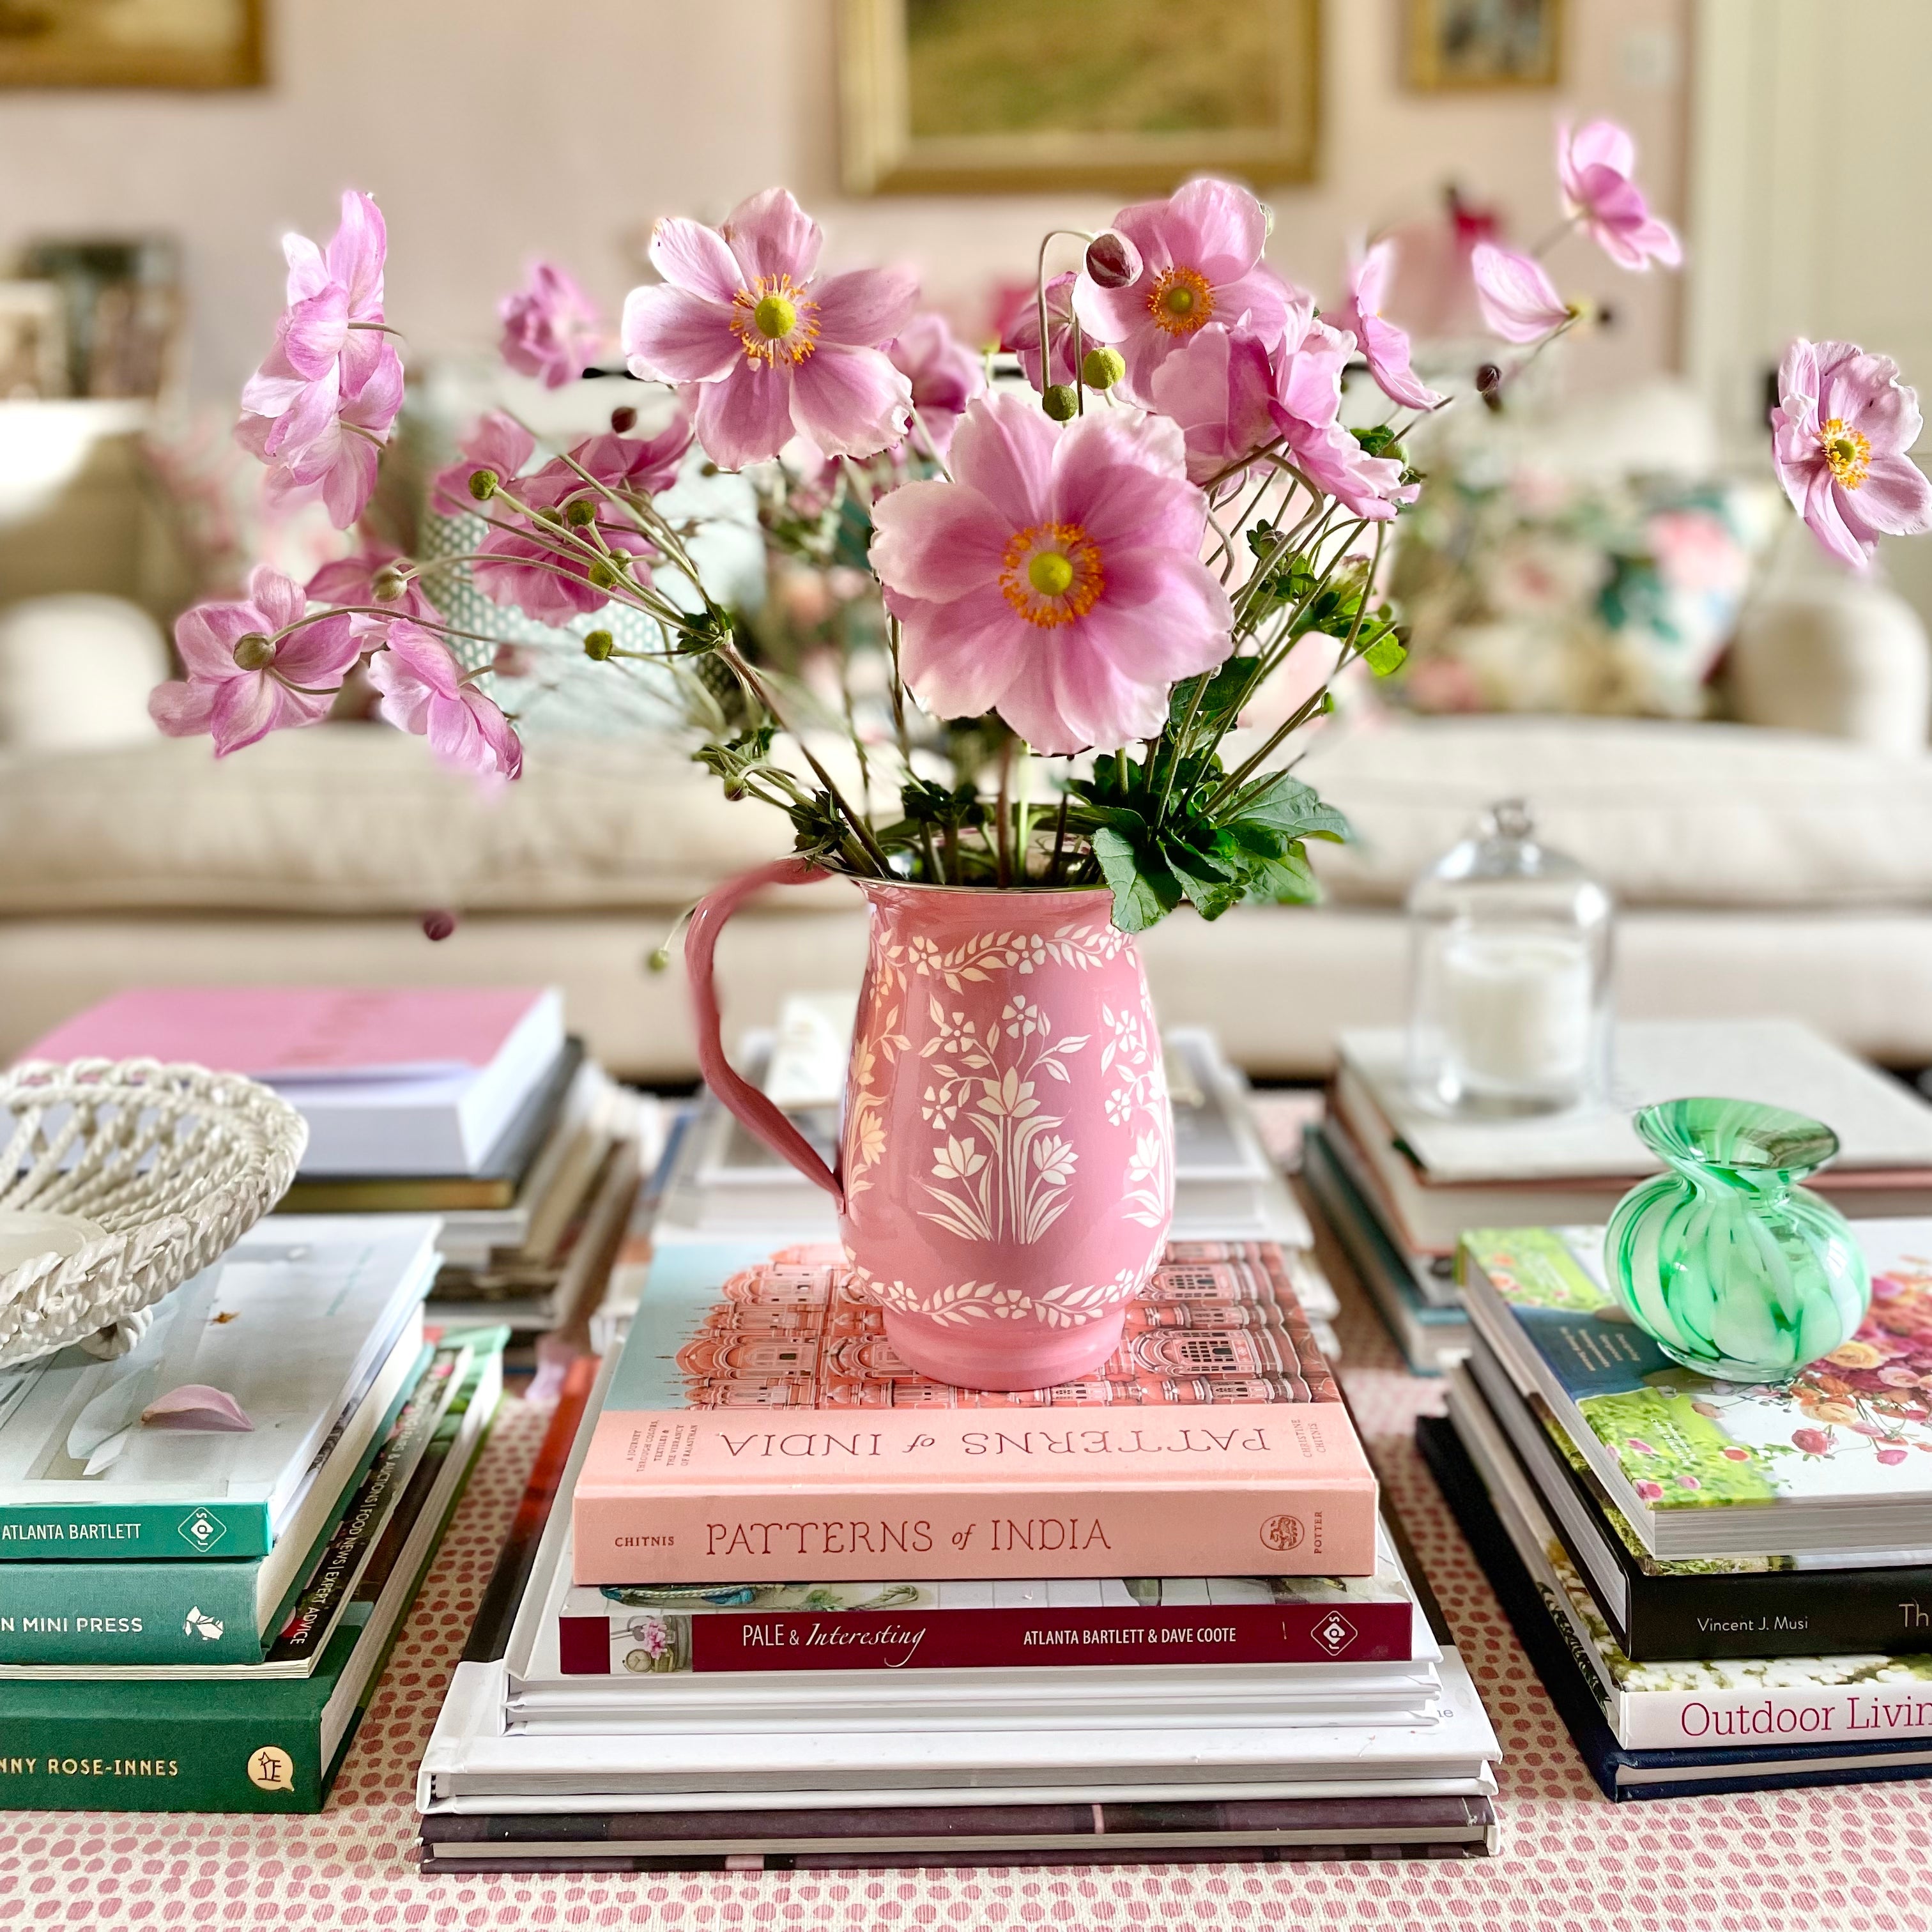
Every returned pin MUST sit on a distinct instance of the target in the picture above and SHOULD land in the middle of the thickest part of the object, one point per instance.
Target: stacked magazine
(1724, 1586)
(775, 1600)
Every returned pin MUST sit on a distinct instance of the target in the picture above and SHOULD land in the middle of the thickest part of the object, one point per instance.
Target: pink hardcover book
(299, 1033)
(772, 1436)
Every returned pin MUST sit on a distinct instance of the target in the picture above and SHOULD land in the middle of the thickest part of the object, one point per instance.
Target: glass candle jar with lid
(1510, 975)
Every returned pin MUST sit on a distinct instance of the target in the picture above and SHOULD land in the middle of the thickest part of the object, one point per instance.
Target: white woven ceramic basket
(174, 1164)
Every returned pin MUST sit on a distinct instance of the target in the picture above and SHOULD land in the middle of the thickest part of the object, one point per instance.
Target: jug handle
(739, 1095)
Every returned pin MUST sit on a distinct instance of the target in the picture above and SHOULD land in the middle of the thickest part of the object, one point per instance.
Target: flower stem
(755, 685)
(1040, 303)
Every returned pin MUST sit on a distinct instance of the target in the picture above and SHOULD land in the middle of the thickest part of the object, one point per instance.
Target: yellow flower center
(1847, 452)
(774, 316)
(1180, 300)
(1051, 574)
(776, 322)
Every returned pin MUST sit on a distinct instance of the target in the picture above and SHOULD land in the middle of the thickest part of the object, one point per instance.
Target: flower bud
(602, 576)
(580, 511)
(1112, 260)
(1102, 368)
(1061, 402)
(657, 960)
(389, 584)
(438, 925)
(623, 419)
(253, 652)
(484, 484)
(597, 645)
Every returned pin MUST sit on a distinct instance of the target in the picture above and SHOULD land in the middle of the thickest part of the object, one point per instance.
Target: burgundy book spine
(1005, 1640)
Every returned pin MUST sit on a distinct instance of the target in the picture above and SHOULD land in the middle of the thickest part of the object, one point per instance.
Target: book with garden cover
(1840, 1461)
(759, 1428)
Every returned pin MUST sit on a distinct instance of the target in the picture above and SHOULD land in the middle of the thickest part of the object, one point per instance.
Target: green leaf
(1284, 804)
(1385, 655)
(1142, 896)
(1288, 880)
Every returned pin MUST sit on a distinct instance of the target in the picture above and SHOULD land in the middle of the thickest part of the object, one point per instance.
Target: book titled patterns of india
(765, 1431)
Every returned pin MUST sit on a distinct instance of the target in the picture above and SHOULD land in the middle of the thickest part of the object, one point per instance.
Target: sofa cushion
(75, 672)
(360, 818)
(1667, 814)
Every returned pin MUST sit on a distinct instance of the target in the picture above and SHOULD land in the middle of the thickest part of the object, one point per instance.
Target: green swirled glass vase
(1730, 1266)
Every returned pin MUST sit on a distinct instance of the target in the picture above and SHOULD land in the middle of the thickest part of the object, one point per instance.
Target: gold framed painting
(964, 97)
(159, 43)
(1470, 46)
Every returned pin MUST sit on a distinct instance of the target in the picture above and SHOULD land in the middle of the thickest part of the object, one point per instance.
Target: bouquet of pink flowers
(1102, 569)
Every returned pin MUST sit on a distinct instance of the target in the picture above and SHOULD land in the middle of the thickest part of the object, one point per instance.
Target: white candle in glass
(1517, 1012)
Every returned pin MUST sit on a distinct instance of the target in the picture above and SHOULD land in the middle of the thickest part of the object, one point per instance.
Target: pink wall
(491, 130)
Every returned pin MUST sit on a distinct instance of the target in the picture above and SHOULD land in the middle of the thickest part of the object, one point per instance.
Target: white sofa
(1759, 871)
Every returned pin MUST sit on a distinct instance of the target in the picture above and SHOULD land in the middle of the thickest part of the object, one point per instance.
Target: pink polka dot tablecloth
(1852, 1858)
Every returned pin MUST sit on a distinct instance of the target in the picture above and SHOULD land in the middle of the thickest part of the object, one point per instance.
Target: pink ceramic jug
(1005, 1177)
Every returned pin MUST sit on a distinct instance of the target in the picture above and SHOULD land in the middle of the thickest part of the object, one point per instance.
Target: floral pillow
(1537, 592)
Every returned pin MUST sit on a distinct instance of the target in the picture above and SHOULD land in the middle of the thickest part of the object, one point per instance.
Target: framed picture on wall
(33, 342)
(964, 97)
(1456, 45)
(160, 43)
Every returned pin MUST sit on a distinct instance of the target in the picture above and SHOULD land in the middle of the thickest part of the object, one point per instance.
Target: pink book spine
(705, 1496)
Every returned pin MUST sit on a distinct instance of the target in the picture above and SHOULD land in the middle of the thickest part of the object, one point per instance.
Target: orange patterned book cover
(765, 1431)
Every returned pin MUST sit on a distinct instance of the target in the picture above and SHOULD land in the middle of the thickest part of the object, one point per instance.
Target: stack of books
(1723, 1586)
(774, 1599)
(207, 1544)
(467, 1102)
(1399, 1184)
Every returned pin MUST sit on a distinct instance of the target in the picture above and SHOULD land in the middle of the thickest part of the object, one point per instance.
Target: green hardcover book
(292, 1325)
(259, 1746)
(195, 1613)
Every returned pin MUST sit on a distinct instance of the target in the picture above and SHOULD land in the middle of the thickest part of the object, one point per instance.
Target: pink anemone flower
(1219, 389)
(1201, 262)
(248, 672)
(1383, 345)
(325, 447)
(425, 690)
(1233, 397)
(1839, 433)
(944, 374)
(1519, 302)
(498, 444)
(551, 327)
(329, 292)
(1022, 336)
(1595, 165)
(329, 391)
(549, 578)
(1058, 581)
(773, 352)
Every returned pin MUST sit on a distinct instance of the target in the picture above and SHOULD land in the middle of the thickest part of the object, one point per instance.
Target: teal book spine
(129, 1613)
(136, 1532)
